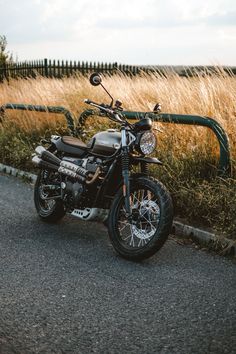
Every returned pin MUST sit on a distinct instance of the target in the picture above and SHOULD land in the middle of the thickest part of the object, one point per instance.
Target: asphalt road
(64, 290)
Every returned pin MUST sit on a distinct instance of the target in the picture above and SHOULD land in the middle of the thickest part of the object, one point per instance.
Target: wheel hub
(142, 219)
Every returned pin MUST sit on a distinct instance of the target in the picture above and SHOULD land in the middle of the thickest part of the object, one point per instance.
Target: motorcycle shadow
(91, 240)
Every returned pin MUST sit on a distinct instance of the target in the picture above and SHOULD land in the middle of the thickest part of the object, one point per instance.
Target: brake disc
(149, 213)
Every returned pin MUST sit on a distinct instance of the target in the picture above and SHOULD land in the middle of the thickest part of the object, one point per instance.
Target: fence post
(46, 67)
(115, 67)
(2, 72)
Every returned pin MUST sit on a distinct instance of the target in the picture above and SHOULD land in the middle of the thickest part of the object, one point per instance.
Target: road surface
(64, 290)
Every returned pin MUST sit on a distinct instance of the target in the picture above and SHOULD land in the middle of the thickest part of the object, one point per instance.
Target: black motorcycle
(107, 180)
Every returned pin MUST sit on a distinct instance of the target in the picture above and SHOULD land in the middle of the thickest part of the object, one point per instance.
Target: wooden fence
(59, 69)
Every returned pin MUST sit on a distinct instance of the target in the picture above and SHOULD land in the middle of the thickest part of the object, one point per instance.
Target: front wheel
(146, 231)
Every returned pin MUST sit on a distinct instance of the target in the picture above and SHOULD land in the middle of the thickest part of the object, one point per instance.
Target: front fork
(125, 171)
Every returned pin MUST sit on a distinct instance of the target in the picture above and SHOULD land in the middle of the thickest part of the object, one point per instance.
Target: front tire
(152, 216)
(51, 210)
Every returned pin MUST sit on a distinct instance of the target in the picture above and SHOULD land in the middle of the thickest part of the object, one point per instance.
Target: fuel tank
(105, 143)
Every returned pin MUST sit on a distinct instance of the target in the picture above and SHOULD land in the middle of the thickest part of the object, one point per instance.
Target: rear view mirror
(95, 79)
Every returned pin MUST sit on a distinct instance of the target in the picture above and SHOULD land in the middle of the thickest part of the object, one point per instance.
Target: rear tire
(152, 217)
(49, 211)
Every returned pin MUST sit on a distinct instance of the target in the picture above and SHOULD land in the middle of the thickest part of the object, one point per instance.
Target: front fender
(140, 159)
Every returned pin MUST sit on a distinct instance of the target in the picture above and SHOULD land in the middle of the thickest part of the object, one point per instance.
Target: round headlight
(148, 142)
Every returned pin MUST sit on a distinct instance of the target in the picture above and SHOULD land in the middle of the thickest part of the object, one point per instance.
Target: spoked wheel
(145, 232)
(49, 207)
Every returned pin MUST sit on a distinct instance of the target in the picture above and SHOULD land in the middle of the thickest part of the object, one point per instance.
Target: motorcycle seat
(75, 142)
(71, 146)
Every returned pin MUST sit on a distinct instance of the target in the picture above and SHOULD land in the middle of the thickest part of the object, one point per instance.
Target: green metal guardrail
(224, 168)
(224, 161)
(49, 109)
(222, 137)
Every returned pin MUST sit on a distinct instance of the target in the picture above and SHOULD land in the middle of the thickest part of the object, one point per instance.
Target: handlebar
(111, 112)
(105, 109)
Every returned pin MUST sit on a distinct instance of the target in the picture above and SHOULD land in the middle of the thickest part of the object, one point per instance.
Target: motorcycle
(107, 180)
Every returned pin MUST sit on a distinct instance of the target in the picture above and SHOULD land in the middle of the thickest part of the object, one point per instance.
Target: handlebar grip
(87, 101)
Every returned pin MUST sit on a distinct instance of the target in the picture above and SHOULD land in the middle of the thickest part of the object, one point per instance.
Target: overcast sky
(155, 32)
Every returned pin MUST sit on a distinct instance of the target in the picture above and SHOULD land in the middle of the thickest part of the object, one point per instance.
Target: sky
(147, 32)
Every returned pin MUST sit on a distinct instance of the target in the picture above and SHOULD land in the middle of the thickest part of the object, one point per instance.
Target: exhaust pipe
(74, 168)
(47, 156)
(44, 164)
(47, 160)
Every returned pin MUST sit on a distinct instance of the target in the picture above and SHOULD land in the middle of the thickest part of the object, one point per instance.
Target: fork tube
(125, 170)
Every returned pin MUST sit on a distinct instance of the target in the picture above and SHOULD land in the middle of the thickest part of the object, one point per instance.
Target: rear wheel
(146, 231)
(49, 207)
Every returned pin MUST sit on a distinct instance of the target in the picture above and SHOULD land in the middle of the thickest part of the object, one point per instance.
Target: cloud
(28, 20)
(225, 19)
(132, 31)
(139, 14)
(163, 18)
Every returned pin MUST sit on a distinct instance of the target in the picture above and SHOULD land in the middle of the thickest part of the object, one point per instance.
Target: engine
(88, 170)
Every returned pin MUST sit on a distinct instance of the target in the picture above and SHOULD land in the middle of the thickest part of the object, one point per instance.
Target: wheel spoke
(47, 202)
(132, 237)
(126, 224)
(142, 241)
(145, 211)
(135, 198)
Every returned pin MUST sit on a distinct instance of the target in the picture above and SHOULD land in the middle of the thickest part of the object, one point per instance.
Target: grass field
(190, 154)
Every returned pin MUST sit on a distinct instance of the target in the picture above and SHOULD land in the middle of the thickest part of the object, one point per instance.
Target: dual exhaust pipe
(46, 160)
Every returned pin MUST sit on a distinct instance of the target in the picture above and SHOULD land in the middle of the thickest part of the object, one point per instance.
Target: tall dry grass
(213, 96)
(190, 154)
